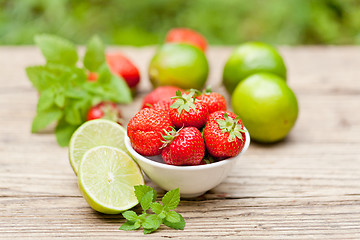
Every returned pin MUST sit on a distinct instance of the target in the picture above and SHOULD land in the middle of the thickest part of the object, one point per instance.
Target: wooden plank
(249, 218)
(306, 187)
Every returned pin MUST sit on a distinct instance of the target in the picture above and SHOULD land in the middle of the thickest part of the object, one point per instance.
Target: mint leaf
(73, 115)
(35, 75)
(60, 100)
(94, 55)
(173, 217)
(148, 231)
(146, 200)
(130, 215)
(46, 100)
(178, 225)
(119, 90)
(57, 50)
(152, 222)
(45, 118)
(171, 199)
(141, 190)
(63, 132)
(128, 226)
(75, 111)
(156, 207)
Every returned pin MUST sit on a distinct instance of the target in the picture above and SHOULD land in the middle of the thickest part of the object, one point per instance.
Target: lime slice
(99, 132)
(107, 177)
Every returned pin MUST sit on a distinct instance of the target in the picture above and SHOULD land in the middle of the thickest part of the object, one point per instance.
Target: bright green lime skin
(251, 58)
(266, 105)
(180, 65)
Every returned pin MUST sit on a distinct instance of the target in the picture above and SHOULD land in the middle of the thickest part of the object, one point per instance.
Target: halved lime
(107, 177)
(99, 132)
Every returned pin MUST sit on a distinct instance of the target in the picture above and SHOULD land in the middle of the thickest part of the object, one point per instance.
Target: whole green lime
(179, 64)
(266, 105)
(250, 58)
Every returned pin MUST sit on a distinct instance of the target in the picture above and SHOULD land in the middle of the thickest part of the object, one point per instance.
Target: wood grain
(306, 187)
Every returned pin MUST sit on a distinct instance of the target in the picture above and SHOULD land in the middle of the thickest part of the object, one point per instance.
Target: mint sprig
(162, 213)
(65, 93)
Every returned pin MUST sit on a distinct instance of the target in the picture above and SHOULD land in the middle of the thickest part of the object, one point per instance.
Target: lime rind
(106, 179)
(99, 132)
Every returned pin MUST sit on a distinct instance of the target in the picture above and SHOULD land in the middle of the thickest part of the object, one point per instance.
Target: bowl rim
(185, 168)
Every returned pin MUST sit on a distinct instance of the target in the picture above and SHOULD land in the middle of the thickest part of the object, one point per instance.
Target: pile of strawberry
(190, 128)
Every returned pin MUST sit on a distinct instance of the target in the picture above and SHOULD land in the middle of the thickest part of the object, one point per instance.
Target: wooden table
(306, 187)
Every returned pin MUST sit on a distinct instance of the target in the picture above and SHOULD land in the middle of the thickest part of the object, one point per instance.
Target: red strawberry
(214, 101)
(105, 110)
(160, 93)
(185, 35)
(145, 131)
(163, 105)
(123, 67)
(183, 147)
(186, 111)
(224, 134)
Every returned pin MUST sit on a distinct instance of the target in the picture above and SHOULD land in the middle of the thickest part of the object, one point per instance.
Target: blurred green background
(222, 22)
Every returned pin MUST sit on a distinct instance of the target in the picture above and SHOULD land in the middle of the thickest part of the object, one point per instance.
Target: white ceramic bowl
(192, 181)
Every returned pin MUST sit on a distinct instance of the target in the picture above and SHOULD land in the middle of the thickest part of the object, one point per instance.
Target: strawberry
(145, 131)
(214, 101)
(163, 105)
(185, 35)
(186, 111)
(160, 93)
(123, 67)
(224, 134)
(183, 147)
(105, 110)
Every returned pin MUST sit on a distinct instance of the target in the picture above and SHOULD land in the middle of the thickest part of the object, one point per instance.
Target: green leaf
(119, 90)
(45, 118)
(178, 225)
(171, 199)
(130, 215)
(64, 131)
(60, 100)
(152, 222)
(46, 100)
(146, 200)
(76, 93)
(156, 207)
(56, 49)
(75, 112)
(141, 190)
(128, 226)
(35, 75)
(94, 55)
(148, 231)
(173, 217)
(73, 115)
